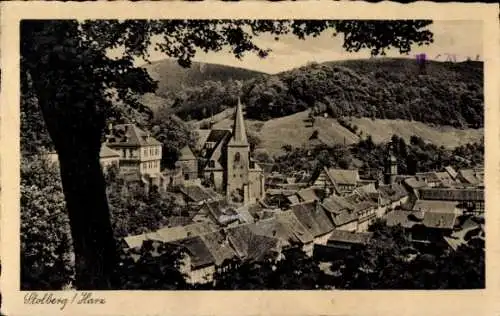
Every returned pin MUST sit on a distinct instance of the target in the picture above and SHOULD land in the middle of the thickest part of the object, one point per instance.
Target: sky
(461, 38)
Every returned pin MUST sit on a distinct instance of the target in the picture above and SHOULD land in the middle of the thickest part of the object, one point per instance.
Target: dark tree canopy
(65, 65)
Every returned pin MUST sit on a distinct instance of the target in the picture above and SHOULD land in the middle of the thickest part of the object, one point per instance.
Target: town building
(226, 164)
(139, 151)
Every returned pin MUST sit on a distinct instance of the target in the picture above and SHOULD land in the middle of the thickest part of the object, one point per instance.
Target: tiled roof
(107, 152)
(198, 251)
(271, 227)
(307, 194)
(344, 217)
(435, 206)
(288, 218)
(249, 245)
(427, 176)
(470, 176)
(130, 135)
(393, 192)
(344, 176)
(444, 178)
(414, 183)
(349, 237)
(219, 246)
(336, 204)
(195, 193)
(313, 218)
(244, 214)
(430, 219)
(451, 194)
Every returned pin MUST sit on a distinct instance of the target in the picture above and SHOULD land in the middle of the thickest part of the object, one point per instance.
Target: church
(225, 162)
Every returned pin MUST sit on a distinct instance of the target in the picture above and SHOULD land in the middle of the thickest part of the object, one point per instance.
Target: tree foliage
(79, 87)
(46, 251)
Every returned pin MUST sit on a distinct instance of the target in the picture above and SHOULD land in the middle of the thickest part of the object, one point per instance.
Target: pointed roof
(186, 154)
(239, 132)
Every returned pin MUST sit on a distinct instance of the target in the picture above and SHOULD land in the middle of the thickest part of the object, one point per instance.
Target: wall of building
(237, 169)
(218, 179)
(352, 226)
(256, 185)
(322, 239)
(189, 169)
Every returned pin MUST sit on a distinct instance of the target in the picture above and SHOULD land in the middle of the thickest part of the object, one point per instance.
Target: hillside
(294, 130)
(447, 136)
(385, 88)
(443, 93)
(172, 78)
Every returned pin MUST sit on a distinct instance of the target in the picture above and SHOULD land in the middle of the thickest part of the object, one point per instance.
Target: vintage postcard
(249, 159)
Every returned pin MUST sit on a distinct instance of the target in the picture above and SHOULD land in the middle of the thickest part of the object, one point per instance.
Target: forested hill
(444, 93)
(172, 78)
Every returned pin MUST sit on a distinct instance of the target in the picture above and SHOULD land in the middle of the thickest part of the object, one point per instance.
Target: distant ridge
(171, 77)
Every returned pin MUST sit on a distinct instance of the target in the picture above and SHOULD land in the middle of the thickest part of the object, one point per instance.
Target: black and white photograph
(239, 154)
(320, 162)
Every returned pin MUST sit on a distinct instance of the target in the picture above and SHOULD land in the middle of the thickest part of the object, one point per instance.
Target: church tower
(238, 161)
(391, 166)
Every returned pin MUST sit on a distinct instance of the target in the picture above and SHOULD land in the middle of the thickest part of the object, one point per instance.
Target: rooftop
(130, 135)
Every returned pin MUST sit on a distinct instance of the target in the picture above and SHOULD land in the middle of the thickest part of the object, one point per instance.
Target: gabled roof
(451, 194)
(427, 176)
(393, 192)
(197, 250)
(470, 176)
(292, 222)
(219, 246)
(216, 136)
(249, 245)
(444, 177)
(349, 237)
(195, 193)
(336, 204)
(307, 194)
(414, 183)
(343, 176)
(312, 215)
(107, 152)
(186, 154)
(130, 135)
(449, 169)
(344, 217)
(435, 206)
(408, 219)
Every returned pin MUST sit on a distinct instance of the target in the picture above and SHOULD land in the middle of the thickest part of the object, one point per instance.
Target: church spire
(239, 131)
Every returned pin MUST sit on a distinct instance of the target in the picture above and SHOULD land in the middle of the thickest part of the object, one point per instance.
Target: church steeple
(239, 132)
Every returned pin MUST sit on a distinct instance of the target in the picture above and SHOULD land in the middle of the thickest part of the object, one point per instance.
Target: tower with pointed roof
(238, 160)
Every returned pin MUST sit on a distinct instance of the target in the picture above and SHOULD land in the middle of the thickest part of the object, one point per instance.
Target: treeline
(446, 93)
(443, 93)
(416, 156)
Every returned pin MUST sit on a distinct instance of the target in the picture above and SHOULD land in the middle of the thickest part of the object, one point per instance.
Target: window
(186, 176)
(237, 157)
(145, 152)
(211, 164)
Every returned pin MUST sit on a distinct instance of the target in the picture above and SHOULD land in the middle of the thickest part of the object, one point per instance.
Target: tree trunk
(84, 191)
(76, 134)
